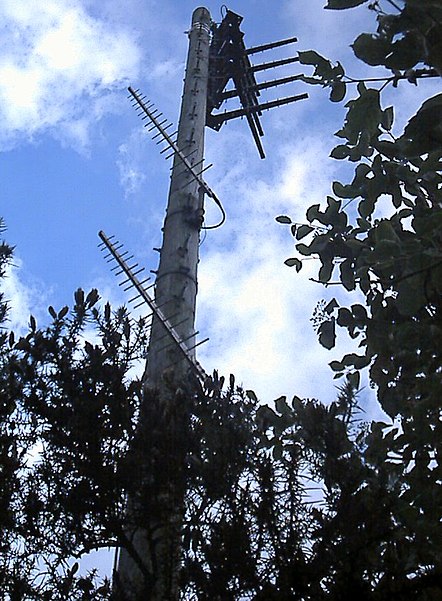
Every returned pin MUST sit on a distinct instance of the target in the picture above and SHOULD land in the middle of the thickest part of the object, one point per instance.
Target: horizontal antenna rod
(263, 47)
(264, 66)
(262, 86)
(221, 117)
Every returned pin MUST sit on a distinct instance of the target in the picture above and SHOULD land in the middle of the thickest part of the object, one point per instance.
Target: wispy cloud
(57, 64)
(23, 298)
(132, 168)
(254, 308)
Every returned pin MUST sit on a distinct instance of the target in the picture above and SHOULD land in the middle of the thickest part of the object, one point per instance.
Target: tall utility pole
(176, 280)
(148, 566)
(150, 569)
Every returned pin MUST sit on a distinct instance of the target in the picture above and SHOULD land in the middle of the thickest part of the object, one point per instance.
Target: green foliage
(11, 455)
(71, 420)
(297, 500)
(394, 261)
(381, 236)
(318, 511)
(249, 527)
(265, 534)
(405, 39)
(325, 74)
(68, 416)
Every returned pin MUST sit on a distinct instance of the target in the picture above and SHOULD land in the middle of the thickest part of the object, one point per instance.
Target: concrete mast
(176, 281)
(149, 569)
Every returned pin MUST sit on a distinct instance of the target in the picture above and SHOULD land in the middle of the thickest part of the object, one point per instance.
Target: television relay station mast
(218, 69)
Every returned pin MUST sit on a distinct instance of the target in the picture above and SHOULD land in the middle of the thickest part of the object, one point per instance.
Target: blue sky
(75, 159)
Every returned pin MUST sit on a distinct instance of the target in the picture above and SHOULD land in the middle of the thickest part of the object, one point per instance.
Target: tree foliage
(68, 417)
(267, 490)
(71, 454)
(379, 236)
(291, 501)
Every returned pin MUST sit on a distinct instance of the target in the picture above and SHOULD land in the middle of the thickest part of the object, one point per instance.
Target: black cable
(223, 218)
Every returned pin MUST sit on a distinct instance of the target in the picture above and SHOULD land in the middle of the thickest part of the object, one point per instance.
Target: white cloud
(24, 299)
(169, 70)
(131, 169)
(57, 63)
(255, 309)
(256, 312)
(329, 32)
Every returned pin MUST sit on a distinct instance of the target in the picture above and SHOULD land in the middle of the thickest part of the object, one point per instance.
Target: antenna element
(134, 282)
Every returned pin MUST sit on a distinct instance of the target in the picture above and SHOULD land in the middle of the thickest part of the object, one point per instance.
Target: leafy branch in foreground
(402, 42)
(381, 233)
(383, 240)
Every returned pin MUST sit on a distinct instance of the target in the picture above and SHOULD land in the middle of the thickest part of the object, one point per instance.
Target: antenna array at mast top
(229, 59)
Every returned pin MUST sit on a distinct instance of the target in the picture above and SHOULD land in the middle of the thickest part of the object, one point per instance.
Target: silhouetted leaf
(327, 334)
(303, 230)
(338, 91)
(371, 49)
(342, 4)
(63, 312)
(294, 262)
(340, 152)
(283, 219)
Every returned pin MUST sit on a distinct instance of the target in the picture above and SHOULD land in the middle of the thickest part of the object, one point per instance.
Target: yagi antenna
(131, 281)
(155, 123)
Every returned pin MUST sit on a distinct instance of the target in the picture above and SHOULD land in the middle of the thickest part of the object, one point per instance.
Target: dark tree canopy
(294, 501)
